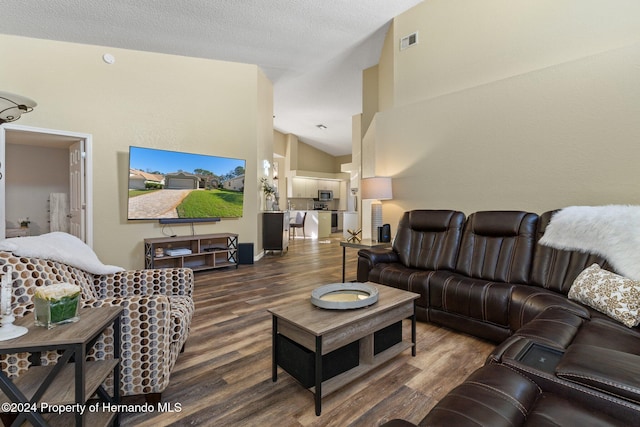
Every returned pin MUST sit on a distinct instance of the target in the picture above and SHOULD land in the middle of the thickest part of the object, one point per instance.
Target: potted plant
(269, 191)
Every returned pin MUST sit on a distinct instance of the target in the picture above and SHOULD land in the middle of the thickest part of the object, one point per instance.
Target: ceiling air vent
(408, 41)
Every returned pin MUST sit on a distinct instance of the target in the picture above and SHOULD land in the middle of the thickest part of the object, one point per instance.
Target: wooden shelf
(61, 391)
(208, 251)
(339, 381)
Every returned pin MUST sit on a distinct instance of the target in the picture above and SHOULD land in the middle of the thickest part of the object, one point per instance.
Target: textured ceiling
(313, 51)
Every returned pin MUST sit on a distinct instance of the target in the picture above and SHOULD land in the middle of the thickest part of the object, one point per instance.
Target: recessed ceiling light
(321, 126)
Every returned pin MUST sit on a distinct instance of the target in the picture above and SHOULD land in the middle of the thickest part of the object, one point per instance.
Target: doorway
(45, 175)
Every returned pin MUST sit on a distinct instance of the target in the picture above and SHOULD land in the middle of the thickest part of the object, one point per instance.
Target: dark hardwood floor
(224, 376)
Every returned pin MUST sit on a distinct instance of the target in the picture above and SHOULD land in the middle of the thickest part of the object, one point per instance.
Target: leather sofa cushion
(473, 298)
(603, 332)
(429, 239)
(409, 279)
(554, 411)
(491, 396)
(528, 302)
(603, 369)
(497, 396)
(498, 246)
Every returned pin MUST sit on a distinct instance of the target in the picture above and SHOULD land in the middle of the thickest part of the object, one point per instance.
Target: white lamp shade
(376, 188)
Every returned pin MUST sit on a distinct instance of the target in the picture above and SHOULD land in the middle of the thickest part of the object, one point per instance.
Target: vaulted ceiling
(313, 51)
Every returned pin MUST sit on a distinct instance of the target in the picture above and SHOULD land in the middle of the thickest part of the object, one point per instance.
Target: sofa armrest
(154, 329)
(528, 302)
(376, 256)
(368, 258)
(164, 281)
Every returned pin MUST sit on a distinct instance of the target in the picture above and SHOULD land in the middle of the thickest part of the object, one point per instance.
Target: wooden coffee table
(326, 349)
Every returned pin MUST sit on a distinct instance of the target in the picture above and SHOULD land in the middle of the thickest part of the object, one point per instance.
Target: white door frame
(88, 211)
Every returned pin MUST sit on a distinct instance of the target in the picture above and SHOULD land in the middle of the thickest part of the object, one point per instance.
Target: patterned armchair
(158, 308)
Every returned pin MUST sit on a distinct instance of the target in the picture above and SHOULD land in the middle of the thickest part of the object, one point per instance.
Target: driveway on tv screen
(186, 203)
(157, 204)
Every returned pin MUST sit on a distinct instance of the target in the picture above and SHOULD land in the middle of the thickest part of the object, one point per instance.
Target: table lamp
(376, 188)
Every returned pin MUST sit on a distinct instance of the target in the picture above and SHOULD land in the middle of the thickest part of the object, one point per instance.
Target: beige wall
(312, 159)
(510, 105)
(341, 160)
(144, 99)
(465, 44)
(386, 70)
(370, 98)
(304, 157)
(279, 144)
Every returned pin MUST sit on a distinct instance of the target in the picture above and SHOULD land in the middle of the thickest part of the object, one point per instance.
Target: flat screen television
(174, 187)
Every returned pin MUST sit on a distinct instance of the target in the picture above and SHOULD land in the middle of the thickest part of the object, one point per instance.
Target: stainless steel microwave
(325, 195)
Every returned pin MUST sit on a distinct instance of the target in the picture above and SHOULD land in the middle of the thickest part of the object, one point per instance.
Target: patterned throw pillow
(609, 293)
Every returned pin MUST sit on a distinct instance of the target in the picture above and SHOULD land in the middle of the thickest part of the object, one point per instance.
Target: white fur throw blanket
(610, 231)
(61, 247)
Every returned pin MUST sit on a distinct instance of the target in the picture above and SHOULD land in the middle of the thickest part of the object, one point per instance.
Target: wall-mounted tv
(172, 186)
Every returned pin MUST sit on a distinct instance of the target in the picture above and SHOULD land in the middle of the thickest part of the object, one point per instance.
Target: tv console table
(199, 252)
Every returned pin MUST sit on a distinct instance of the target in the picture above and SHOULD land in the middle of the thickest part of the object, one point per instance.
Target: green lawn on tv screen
(211, 204)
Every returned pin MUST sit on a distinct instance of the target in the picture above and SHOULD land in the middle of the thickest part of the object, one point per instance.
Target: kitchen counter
(317, 225)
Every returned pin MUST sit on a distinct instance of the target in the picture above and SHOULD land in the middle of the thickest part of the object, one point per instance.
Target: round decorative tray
(344, 296)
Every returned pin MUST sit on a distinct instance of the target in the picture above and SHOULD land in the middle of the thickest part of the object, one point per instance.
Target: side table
(66, 385)
(363, 244)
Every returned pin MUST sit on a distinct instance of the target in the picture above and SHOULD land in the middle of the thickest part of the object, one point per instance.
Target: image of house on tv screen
(175, 185)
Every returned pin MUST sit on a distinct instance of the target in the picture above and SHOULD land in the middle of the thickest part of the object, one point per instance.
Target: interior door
(77, 202)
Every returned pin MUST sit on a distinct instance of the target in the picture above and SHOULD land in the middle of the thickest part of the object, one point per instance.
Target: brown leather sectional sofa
(557, 362)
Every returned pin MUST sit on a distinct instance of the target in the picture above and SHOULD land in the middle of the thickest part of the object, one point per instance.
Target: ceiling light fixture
(321, 126)
(13, 106)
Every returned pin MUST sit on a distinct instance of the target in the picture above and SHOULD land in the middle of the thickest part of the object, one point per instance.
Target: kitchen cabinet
(335, 187)
(304, 188)
(307, 188)
(328, 184)
(297, 188)
(324, 224)
(311, 187)
(317, 225)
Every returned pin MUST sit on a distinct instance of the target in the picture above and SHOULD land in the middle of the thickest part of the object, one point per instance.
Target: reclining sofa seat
(426, 241)
(487, 276)
(495, 254)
